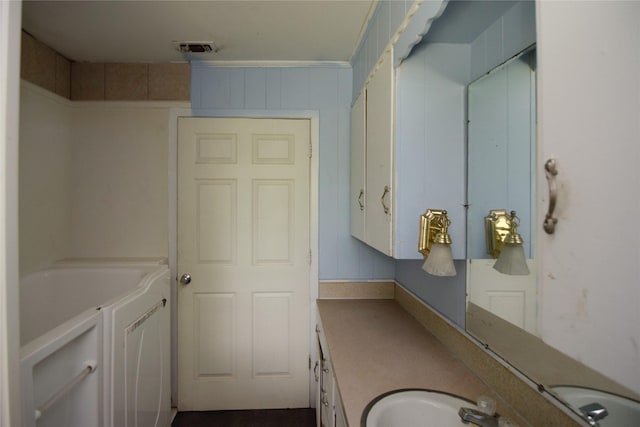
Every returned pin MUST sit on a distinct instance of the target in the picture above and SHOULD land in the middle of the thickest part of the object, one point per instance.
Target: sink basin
(414, 407)
(622, 411)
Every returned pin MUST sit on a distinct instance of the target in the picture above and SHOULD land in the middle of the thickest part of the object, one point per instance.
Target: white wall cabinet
(329, 409)
(413, 149)
(413, 159)
(372, 126)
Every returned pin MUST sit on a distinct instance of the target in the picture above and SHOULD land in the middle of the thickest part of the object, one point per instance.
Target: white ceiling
(244, 30)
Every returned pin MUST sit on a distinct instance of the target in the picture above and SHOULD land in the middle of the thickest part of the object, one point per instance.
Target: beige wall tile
(170, 82)
(356, 290)
(126, 82)
(81, 81)
(38, 63)
(87, 81)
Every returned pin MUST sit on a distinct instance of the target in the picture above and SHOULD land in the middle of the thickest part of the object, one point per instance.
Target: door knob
(185, 279)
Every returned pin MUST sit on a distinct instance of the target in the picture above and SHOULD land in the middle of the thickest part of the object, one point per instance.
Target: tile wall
(83, 81)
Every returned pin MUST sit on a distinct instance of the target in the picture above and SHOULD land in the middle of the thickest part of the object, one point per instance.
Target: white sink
(414, 407)
(622, 411)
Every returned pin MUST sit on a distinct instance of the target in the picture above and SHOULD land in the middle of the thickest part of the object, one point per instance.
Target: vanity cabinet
(329, 410)
(340, 416)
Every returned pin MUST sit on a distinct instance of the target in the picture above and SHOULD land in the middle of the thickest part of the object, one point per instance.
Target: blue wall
(323, 88)
(445, 294)
(329, 89)
(514, 31)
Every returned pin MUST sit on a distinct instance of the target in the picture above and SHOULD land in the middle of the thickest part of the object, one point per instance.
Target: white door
(512, 298)
(243, 237)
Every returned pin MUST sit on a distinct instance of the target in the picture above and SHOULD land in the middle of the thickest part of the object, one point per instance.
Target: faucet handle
(594, 412)
(486, 404)
(470, 415)
(483, 419)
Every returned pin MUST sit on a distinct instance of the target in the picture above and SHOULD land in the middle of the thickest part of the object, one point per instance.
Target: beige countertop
(376, 346)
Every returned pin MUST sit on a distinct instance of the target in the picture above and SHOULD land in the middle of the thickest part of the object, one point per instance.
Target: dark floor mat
(249, 418)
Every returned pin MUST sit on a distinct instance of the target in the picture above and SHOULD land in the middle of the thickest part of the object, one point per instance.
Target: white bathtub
(95, 344)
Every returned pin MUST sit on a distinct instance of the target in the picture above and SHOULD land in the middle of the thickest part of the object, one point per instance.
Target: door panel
(216, 217)
(214, 313)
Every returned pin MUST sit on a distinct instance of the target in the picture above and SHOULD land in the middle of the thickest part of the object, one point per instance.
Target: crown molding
(271, 64)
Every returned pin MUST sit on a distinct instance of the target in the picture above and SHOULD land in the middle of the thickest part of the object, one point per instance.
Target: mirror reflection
(502, 307)
(501, 153)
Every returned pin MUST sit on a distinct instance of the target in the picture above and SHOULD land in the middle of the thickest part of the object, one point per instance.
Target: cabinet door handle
(384, 194)
(315, 371)
(324, 365)
(551, 171)
(324, 400)
(360, 201)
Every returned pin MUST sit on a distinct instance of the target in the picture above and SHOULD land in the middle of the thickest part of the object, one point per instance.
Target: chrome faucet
(470, 415)
(594, 412)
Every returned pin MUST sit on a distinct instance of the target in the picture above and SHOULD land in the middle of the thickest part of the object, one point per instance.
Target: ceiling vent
(196, 47)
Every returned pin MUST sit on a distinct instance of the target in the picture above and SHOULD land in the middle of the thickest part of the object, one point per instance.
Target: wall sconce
(435, 243)
(504, 243)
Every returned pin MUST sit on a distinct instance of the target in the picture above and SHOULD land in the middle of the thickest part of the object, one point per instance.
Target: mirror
(501, 168)
(502, 309)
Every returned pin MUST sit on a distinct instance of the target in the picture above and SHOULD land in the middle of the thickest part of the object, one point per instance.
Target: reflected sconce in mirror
(435, 243)
(504, 242)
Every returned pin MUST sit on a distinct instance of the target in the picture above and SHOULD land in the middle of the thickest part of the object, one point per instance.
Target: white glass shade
(512, 261)
(440, 261)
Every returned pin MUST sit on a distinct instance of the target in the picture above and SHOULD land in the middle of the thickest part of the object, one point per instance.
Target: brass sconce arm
(501, 228)
(505, 243)
(434, 228)
(435, 243)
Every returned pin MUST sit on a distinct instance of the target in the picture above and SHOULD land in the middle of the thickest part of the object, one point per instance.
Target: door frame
(10, 41)
(314, 120)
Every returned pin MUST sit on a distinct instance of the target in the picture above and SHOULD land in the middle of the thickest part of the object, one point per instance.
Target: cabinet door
(358, 153)
(380, 130)
(324, 400)
(340, 417)
(326, 394)
(589, 105)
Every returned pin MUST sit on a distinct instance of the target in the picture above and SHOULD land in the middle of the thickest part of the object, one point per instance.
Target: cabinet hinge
(310, 150)
(310, 256)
